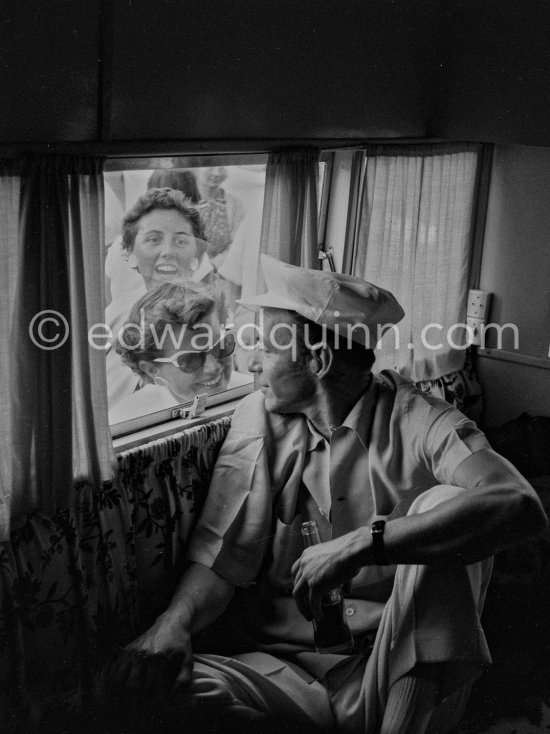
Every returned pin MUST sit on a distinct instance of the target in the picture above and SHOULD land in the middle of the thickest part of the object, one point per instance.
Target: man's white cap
(348, 305)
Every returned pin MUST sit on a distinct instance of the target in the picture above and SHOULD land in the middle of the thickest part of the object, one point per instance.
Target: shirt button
(350, 611)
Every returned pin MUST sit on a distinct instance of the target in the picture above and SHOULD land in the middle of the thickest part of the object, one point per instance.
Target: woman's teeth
(211, 383)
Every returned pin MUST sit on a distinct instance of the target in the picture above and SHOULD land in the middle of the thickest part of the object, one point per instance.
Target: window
(196, 240)
(410, 230)
(179, 230)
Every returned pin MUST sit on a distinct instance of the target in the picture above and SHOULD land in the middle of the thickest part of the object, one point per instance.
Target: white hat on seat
(340, 302)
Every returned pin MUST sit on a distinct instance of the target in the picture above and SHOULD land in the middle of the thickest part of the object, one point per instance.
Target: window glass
(177, 231)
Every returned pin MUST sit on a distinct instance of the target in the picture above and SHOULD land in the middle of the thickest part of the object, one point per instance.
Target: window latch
(328, 256)
(198, 407)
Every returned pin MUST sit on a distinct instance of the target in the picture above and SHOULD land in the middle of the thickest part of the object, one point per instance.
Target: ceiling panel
(48, 70)
(270, 68)
(495, 76)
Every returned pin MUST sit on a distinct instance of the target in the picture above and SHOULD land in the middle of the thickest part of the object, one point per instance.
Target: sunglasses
(192, 361)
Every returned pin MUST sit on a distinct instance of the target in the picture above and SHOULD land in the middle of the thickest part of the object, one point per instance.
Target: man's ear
(321, 360)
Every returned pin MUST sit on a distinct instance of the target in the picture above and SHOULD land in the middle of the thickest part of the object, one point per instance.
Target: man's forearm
(161, 658)
(461, 530)
(200, 598)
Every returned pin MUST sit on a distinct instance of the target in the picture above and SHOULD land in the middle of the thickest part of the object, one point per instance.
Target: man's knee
(433, 497)
(479, 573)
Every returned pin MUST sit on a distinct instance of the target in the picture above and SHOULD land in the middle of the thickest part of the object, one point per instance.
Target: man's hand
(326, 566)
(159, 661)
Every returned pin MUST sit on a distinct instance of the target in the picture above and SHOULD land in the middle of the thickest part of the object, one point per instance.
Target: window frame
(142, 429)
(138, 436)
(150, 163)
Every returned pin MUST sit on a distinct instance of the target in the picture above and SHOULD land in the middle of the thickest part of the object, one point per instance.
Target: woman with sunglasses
(175, 343)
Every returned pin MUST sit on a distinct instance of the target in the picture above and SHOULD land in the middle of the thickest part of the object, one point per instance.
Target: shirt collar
(359, 419)
(361, 416)
(205, 267)
(314, 438)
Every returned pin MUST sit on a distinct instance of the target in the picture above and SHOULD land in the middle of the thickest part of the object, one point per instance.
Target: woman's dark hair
(156, 314)
(180, 179)
(161, 199)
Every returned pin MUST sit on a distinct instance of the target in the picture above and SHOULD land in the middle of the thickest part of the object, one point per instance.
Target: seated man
(325, 439)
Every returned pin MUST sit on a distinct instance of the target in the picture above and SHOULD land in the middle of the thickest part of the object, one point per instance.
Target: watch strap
(378, 548)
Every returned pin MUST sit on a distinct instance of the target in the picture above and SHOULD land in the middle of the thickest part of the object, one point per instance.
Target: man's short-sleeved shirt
(275, 471)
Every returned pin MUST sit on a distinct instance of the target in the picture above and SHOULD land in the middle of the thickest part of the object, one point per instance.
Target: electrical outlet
(478, 304)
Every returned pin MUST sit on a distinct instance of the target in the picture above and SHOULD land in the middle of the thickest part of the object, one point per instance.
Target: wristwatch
(378, 549)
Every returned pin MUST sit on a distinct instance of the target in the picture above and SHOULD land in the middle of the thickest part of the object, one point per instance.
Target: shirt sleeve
(233, 532)
(487, 468)
(449, 440)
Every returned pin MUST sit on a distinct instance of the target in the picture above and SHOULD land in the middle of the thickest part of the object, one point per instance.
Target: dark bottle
(330, 628)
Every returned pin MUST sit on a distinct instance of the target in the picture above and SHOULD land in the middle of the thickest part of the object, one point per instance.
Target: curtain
(289, 223)
(10, 182)
(57, 434)
(413, 238)
(76, 586)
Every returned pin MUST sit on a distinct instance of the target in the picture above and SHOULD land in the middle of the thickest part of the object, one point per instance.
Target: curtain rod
(150, 148)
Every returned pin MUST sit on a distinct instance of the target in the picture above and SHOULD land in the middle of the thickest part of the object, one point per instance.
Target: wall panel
(516, 253)
(271, 68)
(516, 268)
(48, 70)
(494, 72)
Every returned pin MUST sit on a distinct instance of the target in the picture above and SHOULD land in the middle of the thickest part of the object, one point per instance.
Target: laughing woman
(163, 240)
(177, 347)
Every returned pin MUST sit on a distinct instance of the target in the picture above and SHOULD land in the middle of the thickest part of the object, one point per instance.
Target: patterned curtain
(76, 586)
(461, 389)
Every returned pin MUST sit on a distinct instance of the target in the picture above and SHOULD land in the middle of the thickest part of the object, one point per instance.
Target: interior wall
(516, 269)
(49, 71)
(162, 70)
(510, 389)
(494, 82)
(174, 70)
(313, 69)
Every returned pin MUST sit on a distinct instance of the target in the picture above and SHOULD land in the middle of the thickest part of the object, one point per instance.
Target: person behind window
(239, 270)
(180, 179)
(163, 239)
(175, 344)
(221, 213)
(120, 277)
